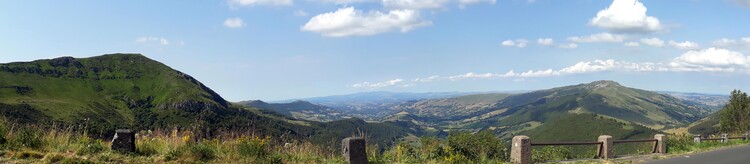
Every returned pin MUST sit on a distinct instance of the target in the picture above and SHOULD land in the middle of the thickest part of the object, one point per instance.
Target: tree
(735, 117)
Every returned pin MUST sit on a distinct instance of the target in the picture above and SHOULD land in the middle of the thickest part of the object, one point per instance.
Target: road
(740, 154)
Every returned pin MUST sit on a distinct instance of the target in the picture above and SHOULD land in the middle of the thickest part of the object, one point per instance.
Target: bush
(149, 147)
(201, 151)
(253, 147)
(90, 146)
(551, 153)
(27, 137)
(474, 146)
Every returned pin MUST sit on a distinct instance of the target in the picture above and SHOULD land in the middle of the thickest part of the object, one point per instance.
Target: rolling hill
(529, 113)
(300, 110)
(114, 91)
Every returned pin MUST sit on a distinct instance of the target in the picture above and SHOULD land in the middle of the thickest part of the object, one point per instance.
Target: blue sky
(281, 49)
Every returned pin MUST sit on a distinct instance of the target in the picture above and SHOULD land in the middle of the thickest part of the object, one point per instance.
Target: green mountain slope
(113, 91)
(542, 113)
(299, 110)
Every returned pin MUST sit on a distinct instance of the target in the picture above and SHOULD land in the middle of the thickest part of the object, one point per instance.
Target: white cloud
(340, 2)
(463, 3)
(520, 43)
(711, 60)
(600, 37)
(427, 79)
(368, 85)
(545, 41)
(300, 13)
(414, 4)
(706, 60)
(152, 39)
(350, 22)
(261, 2)
(626, 16)
(568, 46)
(234, 23)
(686, 45)
(655, 42)
(742, 43)
(632, 44)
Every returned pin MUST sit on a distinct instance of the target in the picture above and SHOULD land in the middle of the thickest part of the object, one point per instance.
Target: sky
(285, 49)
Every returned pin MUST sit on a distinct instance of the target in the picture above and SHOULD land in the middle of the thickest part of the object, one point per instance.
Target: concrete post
(697, 138)
(661, 143)
(520, 150)
(123, 141)
(354, 150)
(605, 150)
(724, 138)
(745, 136)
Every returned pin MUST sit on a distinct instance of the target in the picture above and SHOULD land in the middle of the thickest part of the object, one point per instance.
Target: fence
(521, 146)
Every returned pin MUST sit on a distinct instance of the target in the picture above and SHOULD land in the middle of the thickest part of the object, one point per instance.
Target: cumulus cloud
(545, 41)
(152, 39)
(234, 23)
(655, 42)
(414, 4)
(463, 3)
(568, 46)
(368, 85)
(520, 43)
(632, 44)
(626, 16)
(351, 22)
(686, 45)
(712, 60)
(705, 60)
(260, 2)
(600, 37)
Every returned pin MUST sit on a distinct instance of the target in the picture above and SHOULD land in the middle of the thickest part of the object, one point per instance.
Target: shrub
(89, 146)
(474, 146)
(551, 153)
(27, 137)
(200, 151)
(253, 147)
(149, 147)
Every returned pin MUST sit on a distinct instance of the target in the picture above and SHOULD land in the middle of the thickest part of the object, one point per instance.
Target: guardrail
(724, 138)
(521, 146)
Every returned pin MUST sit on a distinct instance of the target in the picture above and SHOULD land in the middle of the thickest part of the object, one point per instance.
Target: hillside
(113, 91)
(299, 110)
(373, 105)
(633, 110)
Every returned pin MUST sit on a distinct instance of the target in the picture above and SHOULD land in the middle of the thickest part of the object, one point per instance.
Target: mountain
(604, 102)
(114, 91)
(299, 109)
(373, 104)
(711, 101)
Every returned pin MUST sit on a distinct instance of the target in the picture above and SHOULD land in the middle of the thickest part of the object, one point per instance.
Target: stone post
(124, 141)
(724, 138)
(661, 143)
(605, 150)
(354, 150)
(520, 150)
(697, 138)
